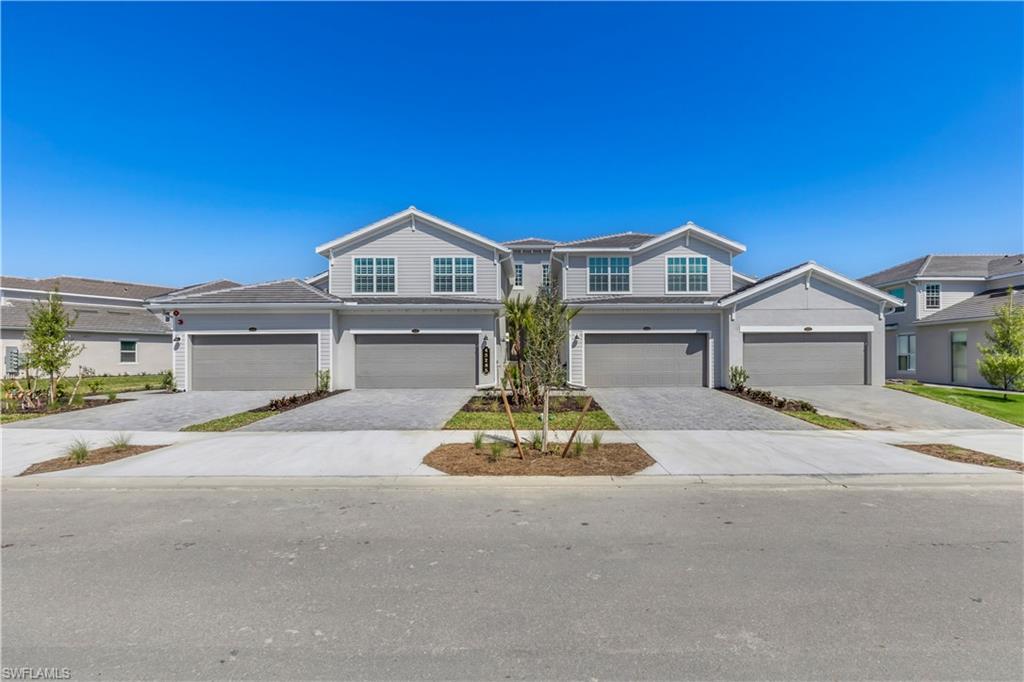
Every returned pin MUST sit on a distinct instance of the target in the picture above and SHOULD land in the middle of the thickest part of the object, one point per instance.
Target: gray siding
(951, 294)
(648, 268)
(413, 251)
(532, 272)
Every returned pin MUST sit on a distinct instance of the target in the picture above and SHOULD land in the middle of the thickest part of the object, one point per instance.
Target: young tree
(545, 339)
(518, 318)
(1002, 360)
(48, 348)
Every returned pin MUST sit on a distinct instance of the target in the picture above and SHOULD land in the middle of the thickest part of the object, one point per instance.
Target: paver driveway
(164, 412)
(372, 409)
(689, 409)
(877, 407)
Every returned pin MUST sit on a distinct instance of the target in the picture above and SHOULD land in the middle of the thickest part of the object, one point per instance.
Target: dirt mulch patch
(556, 403)
(88, 404)
(955, 453)
(611, 459)
(97, 456)
(298, 400)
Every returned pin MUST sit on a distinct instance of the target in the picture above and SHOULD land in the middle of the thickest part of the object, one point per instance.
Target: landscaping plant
(167, 380)
(577, 447)
(478, 440)
(323, 381)
(497, 451)
(111, 396)
(536, 440)
(1002, 359)
(595, 440)
(738, 378)
(546, 337)
(120, 442)
(78, 451)
(518, 320)
(46, 339)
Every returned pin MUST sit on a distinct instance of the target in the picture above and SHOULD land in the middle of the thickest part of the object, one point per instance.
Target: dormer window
(606, 274)
(373, 275)
(686, 274)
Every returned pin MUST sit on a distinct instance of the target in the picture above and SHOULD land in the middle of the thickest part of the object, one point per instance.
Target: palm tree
(518, 320)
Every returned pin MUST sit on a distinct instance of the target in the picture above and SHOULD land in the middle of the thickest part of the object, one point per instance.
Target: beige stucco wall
(102, 352)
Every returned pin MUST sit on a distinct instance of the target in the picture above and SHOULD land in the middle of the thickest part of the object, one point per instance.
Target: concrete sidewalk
(1007, 443)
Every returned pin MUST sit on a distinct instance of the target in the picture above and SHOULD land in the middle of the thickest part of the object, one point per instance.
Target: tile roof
(280, 291)
(642, 300)
(85, 286)
(980, 306)
(98, 318)
(1006, 265)
(202, 288)
(935, 265)
(626, 240)
(530, 242)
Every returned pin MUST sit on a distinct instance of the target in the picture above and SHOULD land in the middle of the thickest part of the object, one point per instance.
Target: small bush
(147, 387)
(120, 442)
(111, 395)
(167, 380)
(95, 386)
(78, 451)
(78, 400)
(497, 451)
(478, 440)
(595, 440)
(738, 378)
(536, 440)
(577, 447)
(323, 381)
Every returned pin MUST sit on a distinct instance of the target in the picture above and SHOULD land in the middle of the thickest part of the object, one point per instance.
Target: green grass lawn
(530, 421)
(990, 404)
(8, 417)
(230, 422)
(135, 382)
(834, 423)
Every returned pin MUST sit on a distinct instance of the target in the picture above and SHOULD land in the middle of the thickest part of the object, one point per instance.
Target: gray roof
(643, 300)
(934, 265)
(626, 240)
(280, 291)
(204, 287)
(130, 320)
(1006, 265)
(766, 278)
(980, 306)
(530, 243)
(85, 286)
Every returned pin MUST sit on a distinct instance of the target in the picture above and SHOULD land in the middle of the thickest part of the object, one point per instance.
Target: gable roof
(935, 265)
(531, 242)
(414, 213)
(978, 307)
(808, 268)
(293, 291)
(91, 318)
(638, 241)
(84, 286)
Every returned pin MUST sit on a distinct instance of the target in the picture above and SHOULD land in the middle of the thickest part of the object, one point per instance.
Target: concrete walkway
(400, 453)
(1006, 443)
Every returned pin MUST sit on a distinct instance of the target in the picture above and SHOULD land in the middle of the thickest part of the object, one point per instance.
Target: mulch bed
(292, 401)
(556, 403)
(611, 459)
(97, 456)
(955, 453)
(88, 404)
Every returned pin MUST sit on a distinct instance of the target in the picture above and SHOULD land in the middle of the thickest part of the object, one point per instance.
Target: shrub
(147, 387)
(95, 386)
(763, 397)
(78, 400)
(323, 381)
(78, 451)
(738, 378)
(536, 440)
(120, 442)
(478, 440)
(577, 447)
(167, 380)
(804, 406)
(595, 440)
(497, 451)
(111, 395)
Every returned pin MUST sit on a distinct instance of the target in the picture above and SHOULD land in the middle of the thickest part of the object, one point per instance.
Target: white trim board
(803, 329)
(709, 348)
(414, 213)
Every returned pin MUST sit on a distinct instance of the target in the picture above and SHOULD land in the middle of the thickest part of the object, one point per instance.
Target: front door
(958, 353)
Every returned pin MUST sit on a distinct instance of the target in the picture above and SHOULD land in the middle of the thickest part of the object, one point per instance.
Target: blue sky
(177, 143)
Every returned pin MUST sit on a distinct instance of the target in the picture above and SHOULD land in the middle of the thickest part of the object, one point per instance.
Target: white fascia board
(960, 320)
(391, 307)
(1019, 273)
(746, 278)
(951, 278)
(227, 307)
(813, 268)
(414, 212)
(317, 277)
(62, 294)
(700, 233)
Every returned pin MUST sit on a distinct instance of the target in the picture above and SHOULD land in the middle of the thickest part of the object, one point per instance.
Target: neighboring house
(413, 300)
(949, 304)
(118, 334)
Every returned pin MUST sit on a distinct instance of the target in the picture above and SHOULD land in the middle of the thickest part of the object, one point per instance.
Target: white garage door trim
(808, 329)
(708, 349)
(187, 339)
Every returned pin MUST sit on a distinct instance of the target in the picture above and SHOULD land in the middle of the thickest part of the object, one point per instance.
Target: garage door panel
(285, 362)
(407, 361)
(805, 359)
(645, 359)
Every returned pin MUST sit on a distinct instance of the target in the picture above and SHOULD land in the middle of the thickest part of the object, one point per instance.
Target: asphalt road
(496, 583)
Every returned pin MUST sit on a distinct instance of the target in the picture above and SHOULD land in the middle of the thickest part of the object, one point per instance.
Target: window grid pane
(676, 280)
(443, 275)
(619, 278)
(519, 274)
(598, 274)
(698, 274)
(545, 275)
(932, 296)
(127, 351)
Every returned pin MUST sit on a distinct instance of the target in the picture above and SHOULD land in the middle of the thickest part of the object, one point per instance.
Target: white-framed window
(609, 274)
(373, 275)
(906, 352)
(454, 275)
(518, 282)
(545, 275)
(900, 293)
(932, 296)
(129, 349)
(686, 274)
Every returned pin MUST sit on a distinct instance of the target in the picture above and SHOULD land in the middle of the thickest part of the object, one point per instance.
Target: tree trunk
(53, 388)
(544, 422)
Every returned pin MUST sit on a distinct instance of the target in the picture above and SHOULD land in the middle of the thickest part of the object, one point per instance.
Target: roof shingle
(280, 291)
(14, 315)
(85, 286)
(627, 240)
(980, 306)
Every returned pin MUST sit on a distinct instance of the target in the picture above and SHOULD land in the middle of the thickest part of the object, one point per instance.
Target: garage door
(805, 359)
(255, 362)
(411, 361)
(645, 359)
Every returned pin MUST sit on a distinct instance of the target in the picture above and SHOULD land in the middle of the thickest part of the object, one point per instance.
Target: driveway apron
(686, 409)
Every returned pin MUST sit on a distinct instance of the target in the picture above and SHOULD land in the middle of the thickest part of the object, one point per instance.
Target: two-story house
(414, 301)
(117, 334)
(950, 301)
